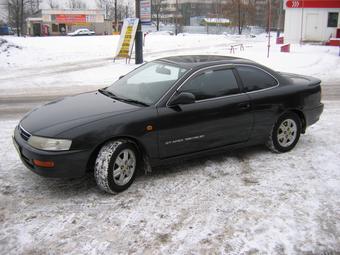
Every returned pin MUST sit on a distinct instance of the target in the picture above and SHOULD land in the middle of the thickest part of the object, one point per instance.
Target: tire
(116, 166)
(285, 133)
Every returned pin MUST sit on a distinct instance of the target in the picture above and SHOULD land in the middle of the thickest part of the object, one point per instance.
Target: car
(6, 30)
(169, 109)
(82, 31)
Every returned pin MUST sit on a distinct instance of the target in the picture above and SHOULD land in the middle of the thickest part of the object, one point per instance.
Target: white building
(311, 20)
(59, 21)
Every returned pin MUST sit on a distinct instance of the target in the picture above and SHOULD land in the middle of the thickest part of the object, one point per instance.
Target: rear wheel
(115, 167)
(285, 133)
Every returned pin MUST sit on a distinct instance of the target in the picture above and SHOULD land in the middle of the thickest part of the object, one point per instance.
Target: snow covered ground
(249, 201)
(244, 202)
(60, 64)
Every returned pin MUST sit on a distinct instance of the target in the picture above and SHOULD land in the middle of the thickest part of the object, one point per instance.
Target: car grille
(24, 134)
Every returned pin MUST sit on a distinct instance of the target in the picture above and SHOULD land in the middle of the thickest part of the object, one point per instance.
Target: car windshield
(146, 84)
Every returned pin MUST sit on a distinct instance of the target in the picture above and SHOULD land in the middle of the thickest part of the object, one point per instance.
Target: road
(17, 105)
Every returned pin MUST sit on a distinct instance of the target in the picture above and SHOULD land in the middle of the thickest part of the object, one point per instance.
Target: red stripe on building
(313, 4)
(70, 18)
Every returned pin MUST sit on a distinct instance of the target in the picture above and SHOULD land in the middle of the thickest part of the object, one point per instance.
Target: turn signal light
(48, 164)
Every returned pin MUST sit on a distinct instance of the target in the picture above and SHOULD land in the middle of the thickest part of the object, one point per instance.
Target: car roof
(198, 61)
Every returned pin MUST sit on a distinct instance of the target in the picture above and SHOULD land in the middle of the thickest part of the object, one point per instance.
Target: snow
(64, 63)
(249, 201)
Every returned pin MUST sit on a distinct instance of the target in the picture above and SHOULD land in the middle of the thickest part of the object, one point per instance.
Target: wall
(293, 20)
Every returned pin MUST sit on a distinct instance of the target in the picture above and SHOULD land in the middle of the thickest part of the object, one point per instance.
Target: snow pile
(249, 201)
(39, 52)
(5, 47)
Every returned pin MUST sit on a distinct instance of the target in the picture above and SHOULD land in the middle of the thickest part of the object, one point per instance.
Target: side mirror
(182, 98)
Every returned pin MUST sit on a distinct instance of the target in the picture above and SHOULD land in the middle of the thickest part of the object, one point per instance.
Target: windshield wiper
(133, 101)
(107, 93)
(110, 94)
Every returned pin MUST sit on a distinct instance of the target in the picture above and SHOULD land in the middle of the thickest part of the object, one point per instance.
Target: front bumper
(67, 164)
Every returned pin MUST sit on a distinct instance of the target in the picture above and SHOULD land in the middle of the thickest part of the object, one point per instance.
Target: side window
(255, 79)
(212, 83)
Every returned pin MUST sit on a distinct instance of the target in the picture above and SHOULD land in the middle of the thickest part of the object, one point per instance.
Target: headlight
(49, 144)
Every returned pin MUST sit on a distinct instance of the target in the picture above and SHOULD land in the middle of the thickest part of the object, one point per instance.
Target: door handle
(244, 106)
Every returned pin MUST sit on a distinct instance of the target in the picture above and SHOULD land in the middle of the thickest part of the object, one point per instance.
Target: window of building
(255, 79)
(55, 28)
(211, 84)
(333, 19)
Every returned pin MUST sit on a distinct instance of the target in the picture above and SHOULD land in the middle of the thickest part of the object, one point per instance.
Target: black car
(168, 109)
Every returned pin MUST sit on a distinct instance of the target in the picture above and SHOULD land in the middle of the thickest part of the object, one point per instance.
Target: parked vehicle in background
(82, 31)
(168, 109)
(6, 30)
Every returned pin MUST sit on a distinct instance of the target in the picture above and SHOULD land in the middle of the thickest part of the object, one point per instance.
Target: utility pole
(176, 17)
(116, 17)
(279, 19)
(22, 17)
(269, 24)
(139, 37)
(301, 29)
(239, 16)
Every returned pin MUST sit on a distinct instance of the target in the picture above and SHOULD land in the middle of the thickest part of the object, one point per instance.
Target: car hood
(61, 115)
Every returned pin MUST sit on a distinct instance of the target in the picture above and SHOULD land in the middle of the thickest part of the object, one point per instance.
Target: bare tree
(53, 4)
(114, 10)
(241, 12)
(14, 14)
(33, 6)
(157, 9)
(76, 4)
(19, 10)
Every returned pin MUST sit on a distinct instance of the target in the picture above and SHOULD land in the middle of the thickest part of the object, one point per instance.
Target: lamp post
(139, 37)
(116, 17)
(176, 18)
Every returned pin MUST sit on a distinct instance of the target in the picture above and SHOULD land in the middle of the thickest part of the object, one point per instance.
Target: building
(58, 22)
(311, 20)
(185, 9)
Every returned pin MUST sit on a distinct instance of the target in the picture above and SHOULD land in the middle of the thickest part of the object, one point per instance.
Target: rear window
(255, 79)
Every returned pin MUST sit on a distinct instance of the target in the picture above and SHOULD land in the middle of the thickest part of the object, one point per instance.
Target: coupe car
(172, 108)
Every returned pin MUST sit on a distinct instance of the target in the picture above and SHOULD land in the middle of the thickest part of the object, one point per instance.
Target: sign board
(313, 4)
(70, 18)
(127, 37)
(145, 11)
(76, 18)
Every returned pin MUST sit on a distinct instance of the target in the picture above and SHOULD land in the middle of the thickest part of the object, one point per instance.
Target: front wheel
(285, 133)
(115, 167)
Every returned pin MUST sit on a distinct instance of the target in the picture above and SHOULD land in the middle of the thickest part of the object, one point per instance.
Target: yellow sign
(127, 38)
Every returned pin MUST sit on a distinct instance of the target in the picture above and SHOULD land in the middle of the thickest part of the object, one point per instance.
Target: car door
(265, 102)
(221, 115)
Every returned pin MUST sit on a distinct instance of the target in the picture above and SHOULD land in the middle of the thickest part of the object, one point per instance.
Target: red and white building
(311, 20)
